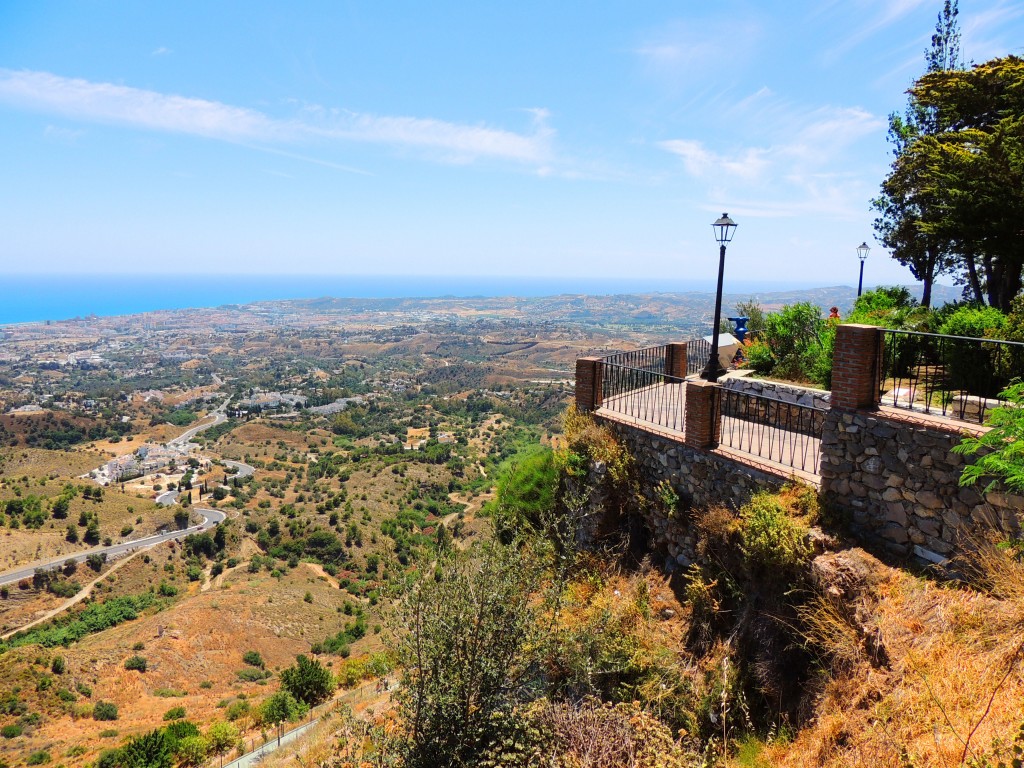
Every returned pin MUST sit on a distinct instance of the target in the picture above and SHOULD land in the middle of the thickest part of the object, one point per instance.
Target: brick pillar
(855, 366)
(703, 425)
(675, 359)
(588, 383)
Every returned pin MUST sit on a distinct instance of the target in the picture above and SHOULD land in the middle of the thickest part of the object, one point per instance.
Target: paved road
(219, 417)
(212, 517)
(167, 498)
(241, 470)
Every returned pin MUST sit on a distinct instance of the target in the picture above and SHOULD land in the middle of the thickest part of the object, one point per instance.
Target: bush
(10, 731)
(174, 713)
(772, 543)
(253, 659)
(237, 709)
(58, 666)
(280, 707)
(38, 758)
(970, 365)
(308, 681)
(137, 663)
(104, 710)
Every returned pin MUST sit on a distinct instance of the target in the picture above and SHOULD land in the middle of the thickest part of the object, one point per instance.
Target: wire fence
(955, 376)
(779, 432)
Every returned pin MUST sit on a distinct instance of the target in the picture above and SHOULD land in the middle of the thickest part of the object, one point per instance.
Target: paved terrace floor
(659, 409)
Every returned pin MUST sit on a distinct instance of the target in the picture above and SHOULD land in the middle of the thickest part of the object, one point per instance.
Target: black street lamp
(725, 228)
(862, 253)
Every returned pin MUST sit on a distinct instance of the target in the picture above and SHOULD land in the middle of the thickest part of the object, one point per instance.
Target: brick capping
(703, 409)
(588, 383)
(675, 359)
(855, 369)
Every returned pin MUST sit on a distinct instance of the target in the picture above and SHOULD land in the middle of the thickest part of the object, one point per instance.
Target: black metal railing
(782, 433)
(643, 395)
(650, 359)
(955, 376)
(697, 351)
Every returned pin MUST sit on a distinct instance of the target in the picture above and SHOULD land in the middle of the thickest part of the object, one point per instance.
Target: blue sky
(540, 139)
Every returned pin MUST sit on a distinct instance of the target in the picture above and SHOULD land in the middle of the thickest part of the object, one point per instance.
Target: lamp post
(862, 254)
(724, 230)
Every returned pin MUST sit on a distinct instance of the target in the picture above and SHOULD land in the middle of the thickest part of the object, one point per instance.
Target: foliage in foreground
(1000, 451)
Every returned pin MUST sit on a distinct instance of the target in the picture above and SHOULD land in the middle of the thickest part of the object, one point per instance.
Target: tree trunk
(972, 274)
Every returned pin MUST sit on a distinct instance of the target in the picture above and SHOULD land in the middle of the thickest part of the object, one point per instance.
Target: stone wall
(897, 479)
(776, 390)
(699, 478)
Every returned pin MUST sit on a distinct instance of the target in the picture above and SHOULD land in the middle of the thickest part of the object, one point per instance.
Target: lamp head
(862, 251)
(725, 228)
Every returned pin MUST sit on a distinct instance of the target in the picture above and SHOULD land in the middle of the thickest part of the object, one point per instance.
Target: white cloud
(161, 51)
(805, 170)
(123, 105)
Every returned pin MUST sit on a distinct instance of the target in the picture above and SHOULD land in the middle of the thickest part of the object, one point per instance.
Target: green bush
(970, 366)
(280, 707)
(174, 713)
(772, 542)
(237, 709)
(10, 731)
(137, 663)
(104, 710)
(253, 659)
(38, 758)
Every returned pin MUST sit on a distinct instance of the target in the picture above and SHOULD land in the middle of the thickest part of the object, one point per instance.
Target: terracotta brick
(588, 383)
(855, 374)
(703, 421)
(675, 359)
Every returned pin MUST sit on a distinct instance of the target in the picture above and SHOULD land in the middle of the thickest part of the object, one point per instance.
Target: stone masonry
(898, 480)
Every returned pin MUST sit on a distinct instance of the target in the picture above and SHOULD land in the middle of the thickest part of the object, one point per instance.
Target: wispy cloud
(161, 51)
(151, 110)
(804, 170)
(873, 16)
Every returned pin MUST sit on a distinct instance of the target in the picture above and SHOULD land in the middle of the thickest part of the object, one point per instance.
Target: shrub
(970, 365)
(104, 710)
(38, 758)
(253, 659)
(280, 707)
(174, 713)
(137, 663)
(308, 681)
(10, 731)
(167, 590)
(58, 666)
(771, 541)
(221, 737)
(237, 709)
(250, 675)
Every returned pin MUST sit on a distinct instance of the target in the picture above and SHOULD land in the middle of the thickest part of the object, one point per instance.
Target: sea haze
(35, 298)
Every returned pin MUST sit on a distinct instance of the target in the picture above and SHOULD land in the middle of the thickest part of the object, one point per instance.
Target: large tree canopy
(972, 169)
(904, 205)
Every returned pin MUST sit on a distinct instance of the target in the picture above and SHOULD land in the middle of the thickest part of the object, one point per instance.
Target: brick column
(703, 425)
(855, 366)
(588, 383)
(675, 359)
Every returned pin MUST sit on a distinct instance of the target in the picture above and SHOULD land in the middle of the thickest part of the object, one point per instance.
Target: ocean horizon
(38, 298)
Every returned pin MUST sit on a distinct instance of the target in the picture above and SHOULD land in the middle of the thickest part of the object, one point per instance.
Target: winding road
(211, 517)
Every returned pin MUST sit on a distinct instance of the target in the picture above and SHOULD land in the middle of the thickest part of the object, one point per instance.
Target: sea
(37, 298)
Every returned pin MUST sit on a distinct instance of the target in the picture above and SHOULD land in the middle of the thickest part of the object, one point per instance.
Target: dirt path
(82, 594)
(318, 569)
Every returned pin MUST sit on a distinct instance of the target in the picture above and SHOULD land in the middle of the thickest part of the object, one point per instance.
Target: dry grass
(952, 679)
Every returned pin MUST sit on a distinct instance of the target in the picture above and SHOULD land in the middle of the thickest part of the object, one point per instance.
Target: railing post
(856, 369)
(703, 414)
(675, 359)
(588, 383)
